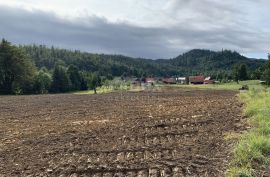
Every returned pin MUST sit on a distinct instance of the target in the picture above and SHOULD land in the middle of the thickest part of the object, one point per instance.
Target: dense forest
(39, 69)
(191, 63)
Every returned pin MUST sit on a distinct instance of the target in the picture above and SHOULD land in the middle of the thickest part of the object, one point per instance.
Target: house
(169, 80)
(196, 79)
(209, 80)
(181, 80)
(150, 81)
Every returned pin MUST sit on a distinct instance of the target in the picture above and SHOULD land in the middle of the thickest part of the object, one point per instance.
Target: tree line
(194, 62)
(38, 69)
(19, 75)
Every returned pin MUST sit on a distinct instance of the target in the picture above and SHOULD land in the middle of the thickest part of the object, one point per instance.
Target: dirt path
(167, 133)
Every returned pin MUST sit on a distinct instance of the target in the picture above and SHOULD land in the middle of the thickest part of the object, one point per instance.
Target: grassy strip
(252, 153)
(252, 84)
(100, 90)
(104, 89)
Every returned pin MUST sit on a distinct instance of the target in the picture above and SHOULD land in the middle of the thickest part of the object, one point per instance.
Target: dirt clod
(167, 133)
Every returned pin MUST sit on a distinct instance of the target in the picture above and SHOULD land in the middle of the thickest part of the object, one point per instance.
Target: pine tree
(75, 78)
(243, 75)
(266, 73)
(83, 83)
(61, 81)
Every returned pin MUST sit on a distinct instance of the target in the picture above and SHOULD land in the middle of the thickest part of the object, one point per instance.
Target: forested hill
(193, 62)
(206, 60)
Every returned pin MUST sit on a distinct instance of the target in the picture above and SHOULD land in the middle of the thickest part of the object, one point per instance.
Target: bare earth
(167, 133)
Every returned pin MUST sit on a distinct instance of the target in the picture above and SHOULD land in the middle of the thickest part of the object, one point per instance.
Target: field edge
(251, 155)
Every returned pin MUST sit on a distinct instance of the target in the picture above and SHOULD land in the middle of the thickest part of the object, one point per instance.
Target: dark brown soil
(166, 133)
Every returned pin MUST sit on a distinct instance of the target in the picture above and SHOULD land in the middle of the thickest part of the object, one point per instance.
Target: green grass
(104, 89)
(253, 84)
(252, 153)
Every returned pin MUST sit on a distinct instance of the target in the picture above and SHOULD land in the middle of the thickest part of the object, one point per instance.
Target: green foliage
(61, 82)
(243, 74)
(252, 154)
(86, 70)
(83, 82)
(257, 74)
(16, 70)
(43, 82)
(240, 72)
(75, 77)
(95, 82)
(252, 84)
(266, 73)
(211, 63)
(109, 86)
(236, 73)
(191, 63)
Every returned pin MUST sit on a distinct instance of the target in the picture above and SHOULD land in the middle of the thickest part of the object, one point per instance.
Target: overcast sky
(139, 28)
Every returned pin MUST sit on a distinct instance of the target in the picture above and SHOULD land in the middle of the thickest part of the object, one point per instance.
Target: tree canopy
(60, 80)
(194, 62)
(17, 71)
(39, 69)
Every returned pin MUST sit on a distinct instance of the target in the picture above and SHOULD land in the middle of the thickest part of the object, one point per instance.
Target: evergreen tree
(75, 78)
(243, 74)
(83, 83)
(17, 72)
(235, 73)
(266, 73)
(194, 61)
(61, 81)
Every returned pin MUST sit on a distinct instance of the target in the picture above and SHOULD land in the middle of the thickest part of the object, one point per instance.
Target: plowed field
(167, 133)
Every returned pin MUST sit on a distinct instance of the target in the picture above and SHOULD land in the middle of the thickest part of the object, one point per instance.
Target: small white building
(181, 80)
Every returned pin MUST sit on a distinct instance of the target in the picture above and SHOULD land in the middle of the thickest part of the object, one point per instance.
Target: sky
(140, 28)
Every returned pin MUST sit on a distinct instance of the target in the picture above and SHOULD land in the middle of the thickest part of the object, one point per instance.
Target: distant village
(151, 81)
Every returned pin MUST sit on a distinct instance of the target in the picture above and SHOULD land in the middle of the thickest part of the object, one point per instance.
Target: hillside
(205, 61)
(193, 62)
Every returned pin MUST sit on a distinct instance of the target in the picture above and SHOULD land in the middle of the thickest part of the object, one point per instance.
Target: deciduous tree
(43, 82)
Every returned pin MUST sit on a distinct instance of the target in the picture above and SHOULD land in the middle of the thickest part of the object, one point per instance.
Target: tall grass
(252, 153)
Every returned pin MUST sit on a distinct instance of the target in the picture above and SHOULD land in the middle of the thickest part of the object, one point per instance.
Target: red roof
(169, 80)
(196, 79)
